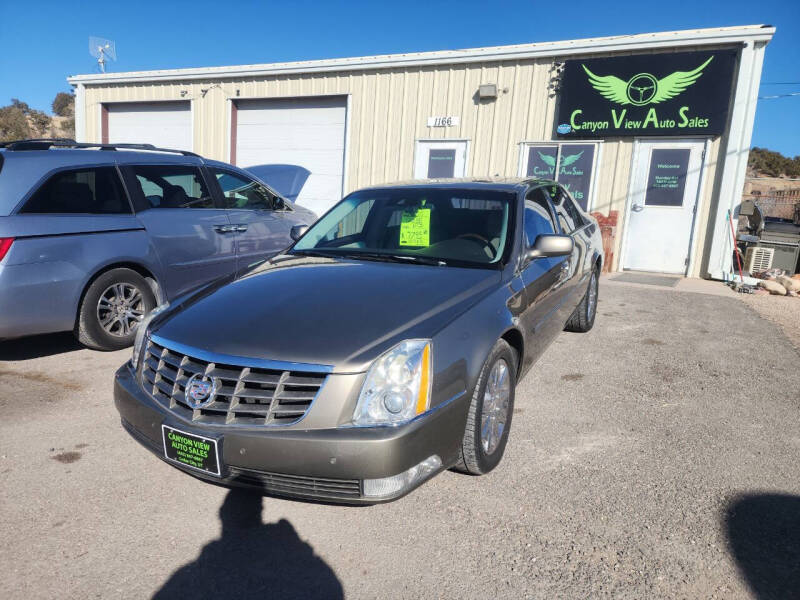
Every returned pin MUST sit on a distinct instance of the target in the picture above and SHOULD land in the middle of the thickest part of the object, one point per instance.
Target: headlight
(398, 385)
(141, 331)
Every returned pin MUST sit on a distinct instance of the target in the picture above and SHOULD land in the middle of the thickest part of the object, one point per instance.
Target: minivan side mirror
(297, 231)
(550, 245)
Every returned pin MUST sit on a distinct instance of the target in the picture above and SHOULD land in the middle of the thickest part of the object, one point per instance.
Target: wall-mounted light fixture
(487, 91)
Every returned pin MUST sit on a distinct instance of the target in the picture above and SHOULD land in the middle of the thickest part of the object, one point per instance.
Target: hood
(341, 313)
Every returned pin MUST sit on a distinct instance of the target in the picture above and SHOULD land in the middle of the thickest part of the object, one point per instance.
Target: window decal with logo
(684, 93)
(575, 164)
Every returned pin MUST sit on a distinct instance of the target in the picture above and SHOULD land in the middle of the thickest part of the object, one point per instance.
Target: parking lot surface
(656, 456)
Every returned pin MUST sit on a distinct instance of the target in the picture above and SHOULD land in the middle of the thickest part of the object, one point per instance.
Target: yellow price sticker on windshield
(415, 228)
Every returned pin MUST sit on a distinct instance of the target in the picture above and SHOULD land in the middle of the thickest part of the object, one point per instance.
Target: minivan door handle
(225, 228)
(241, 227)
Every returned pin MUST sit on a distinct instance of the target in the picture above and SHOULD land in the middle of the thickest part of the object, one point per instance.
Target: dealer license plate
(191, 450)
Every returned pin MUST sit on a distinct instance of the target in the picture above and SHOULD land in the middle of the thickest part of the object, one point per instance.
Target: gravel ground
(655, 457)
(783, 310)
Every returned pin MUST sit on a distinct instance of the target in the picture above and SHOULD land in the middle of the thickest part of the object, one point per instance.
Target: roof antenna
(103, 50)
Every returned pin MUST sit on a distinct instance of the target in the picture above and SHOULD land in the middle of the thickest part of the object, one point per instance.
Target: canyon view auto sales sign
(680, 94)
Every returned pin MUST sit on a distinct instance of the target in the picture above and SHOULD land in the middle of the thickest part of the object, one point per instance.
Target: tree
(773, 164)
(13, 124)
(64, 104)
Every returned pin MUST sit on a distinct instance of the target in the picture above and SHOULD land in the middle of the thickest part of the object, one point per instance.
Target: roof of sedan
(495, 183)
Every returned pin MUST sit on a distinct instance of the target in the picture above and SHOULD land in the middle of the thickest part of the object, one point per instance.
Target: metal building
(650, 132)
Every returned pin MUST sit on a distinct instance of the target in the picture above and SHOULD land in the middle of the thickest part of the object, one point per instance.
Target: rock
(773, 287)
(791, 285)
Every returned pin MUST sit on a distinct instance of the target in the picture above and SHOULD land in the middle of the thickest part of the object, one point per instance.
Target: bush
(13, 124)
(64, 104)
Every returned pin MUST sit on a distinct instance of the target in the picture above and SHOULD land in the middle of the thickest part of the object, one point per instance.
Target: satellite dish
(103, 50)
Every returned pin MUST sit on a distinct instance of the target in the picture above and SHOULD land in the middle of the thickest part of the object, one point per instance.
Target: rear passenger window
(538, 220)
(86, 191)
(173, 186)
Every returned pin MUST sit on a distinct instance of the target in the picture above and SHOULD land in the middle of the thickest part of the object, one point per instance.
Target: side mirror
(298, 231)
(548, 245)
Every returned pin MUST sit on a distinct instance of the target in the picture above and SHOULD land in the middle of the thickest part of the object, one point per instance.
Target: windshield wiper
(379, 256)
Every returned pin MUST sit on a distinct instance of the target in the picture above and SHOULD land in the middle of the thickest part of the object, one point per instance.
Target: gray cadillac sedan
(383, 347)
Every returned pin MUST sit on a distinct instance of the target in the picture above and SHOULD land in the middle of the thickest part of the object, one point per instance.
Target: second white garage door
(308, 132)
(164, 124)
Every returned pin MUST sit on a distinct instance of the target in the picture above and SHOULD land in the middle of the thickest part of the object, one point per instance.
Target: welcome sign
(687, 93)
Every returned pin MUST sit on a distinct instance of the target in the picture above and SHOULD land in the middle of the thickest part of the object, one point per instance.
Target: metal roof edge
(695, 37)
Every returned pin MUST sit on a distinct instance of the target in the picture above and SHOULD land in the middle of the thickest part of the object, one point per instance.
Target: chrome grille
(245, 395)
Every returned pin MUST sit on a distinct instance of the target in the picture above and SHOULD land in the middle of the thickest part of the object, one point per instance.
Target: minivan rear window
(84, 191)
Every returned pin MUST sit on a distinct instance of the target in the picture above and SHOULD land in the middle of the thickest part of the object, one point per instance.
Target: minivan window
(173, 186)
(242, 192)
(538, 219)
(89, 191)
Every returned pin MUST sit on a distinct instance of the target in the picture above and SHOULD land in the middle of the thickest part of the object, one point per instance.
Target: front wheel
(111, 309)
(582, 320)
(490, 412)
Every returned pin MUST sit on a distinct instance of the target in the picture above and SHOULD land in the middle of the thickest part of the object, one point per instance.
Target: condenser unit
(758, 259)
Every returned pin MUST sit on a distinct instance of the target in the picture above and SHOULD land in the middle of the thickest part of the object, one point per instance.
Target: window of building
(571, 164)
(88, 191)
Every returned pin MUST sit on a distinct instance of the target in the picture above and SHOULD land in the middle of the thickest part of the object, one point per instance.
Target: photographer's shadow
(764, 536)
(253, 560)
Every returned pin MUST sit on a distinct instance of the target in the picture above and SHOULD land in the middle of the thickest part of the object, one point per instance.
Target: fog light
(389, 486)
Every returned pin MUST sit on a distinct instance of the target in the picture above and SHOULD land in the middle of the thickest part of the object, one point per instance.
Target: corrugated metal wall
(388, 112)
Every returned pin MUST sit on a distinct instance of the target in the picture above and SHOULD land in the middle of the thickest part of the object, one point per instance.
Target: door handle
(637, 207)
(225, 228)
(240, 228)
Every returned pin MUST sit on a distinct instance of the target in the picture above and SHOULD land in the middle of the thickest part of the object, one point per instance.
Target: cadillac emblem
(200, 390)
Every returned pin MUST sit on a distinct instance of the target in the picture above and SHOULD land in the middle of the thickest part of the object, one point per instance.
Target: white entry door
(661, 205)
(440, 159)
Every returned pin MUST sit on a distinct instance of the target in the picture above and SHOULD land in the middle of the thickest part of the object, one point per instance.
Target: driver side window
(538, 219)
(241, 192)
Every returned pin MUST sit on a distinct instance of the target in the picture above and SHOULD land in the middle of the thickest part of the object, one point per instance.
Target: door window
(87, 191)
(173, 186)
(569, 217)
(440, 159)
(243, 192)
(538, 218)
(666, 179)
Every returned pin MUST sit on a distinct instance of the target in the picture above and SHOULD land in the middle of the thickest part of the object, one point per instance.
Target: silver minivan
(94, 236)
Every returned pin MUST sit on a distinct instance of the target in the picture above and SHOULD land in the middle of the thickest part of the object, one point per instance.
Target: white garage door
(308, 132)
(164, 124)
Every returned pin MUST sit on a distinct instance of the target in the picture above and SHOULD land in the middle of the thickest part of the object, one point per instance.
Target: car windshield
(425, 225)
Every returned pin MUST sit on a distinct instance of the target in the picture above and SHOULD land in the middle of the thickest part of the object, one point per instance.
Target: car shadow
(38, 346)
(764, 536)
(253, 560)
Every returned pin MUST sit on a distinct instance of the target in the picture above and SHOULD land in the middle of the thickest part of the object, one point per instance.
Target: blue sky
(44, 42)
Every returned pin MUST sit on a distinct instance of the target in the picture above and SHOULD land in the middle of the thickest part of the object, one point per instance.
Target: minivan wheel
(111, 309)
(490, 412)
(582, 320)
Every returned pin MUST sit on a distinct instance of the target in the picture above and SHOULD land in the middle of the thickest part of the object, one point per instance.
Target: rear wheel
(582, 320)
(490, 412)
(112, 308)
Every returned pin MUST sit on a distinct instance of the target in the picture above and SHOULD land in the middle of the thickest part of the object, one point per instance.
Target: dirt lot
(656, 457)
(783, 310)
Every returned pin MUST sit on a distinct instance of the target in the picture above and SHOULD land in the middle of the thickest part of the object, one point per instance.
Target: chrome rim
(120, 308)
(591, 301)
(494, 414)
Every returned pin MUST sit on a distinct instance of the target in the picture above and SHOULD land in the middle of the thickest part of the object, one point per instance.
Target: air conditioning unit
(758, 259)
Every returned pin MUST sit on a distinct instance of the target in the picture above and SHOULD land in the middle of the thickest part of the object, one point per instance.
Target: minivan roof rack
(47, 143)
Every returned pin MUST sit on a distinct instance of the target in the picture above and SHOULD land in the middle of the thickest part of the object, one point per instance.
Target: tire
(120, 328)
(475, 458)
(582, 320)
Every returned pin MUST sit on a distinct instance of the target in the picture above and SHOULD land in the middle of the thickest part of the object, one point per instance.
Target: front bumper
(315, 464)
